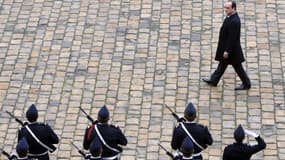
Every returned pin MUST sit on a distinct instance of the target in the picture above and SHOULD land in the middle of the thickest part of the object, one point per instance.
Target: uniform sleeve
(53, 138)
(20, 134)
(226, 154)
(208, 137)
(258, 147)
(122, 138)
(176, 142)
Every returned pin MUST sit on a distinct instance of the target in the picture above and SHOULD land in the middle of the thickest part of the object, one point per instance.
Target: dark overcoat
(229, 40)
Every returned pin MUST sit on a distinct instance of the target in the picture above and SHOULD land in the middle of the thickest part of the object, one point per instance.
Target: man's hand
(226, 55)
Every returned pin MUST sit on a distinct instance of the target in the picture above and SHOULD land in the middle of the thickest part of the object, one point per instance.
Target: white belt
(110, 158)
(193, 155)
(41, 154)
(196, 154)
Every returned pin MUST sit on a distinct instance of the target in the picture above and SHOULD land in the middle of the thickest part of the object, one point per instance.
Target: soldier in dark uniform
(199, 133)
(22, 149)
(110, 134)
(241, 151)
(95, 150)
(229, 50)
(35, 130)
(187, 149)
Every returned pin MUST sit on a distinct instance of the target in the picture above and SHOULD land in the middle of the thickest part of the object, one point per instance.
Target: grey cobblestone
(134, 56)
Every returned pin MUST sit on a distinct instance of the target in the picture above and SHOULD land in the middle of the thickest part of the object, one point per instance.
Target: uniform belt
(196, 154)
(35, 155)
(110, 158)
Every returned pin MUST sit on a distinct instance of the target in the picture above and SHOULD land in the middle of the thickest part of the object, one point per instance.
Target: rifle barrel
(5, 153)
(17, 119)
(167, 152)
(80, 151)
(173, 113)
(75, 146)
(88, 116)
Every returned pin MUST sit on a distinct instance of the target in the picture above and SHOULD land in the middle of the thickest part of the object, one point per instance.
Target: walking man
(229, 50)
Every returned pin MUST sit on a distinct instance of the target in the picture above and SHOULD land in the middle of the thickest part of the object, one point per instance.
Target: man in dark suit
(110, 136)
(229, 49)
(241, 151)
(200, 134)
(34, 131)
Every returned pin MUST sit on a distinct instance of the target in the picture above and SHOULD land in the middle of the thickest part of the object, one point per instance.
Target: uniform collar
(33, 122)
(191, 122)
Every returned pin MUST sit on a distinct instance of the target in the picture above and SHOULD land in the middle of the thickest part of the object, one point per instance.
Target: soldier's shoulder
(42, 124)
(114, 126)
(178, 125)
(202, 126)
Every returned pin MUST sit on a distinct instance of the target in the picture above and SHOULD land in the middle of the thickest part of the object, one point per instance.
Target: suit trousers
(216, 76)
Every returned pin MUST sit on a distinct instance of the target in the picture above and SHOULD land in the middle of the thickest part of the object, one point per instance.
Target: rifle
(88, 117)
(17, 120)
(174, 114)
(6, 154)
(80, 151)
(167, 152)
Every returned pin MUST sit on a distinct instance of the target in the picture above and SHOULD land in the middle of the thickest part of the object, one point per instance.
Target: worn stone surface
(134, 56)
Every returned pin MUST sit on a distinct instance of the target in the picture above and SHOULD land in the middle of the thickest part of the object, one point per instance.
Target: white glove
(176, 153)
(250, 133)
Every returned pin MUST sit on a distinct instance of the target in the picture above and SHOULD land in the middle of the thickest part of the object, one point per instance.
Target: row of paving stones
(135, 56)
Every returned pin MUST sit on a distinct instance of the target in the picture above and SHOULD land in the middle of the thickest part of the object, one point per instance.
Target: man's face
(228, 8)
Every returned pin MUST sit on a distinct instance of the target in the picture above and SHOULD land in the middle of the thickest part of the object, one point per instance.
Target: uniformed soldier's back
(34, 130)
(199, 132)
(111, 134)
(43, 132)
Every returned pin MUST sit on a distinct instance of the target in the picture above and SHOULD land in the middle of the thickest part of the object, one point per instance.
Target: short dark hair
(234, 4)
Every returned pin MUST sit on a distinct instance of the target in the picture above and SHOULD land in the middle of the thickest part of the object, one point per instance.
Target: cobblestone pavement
(134, 56)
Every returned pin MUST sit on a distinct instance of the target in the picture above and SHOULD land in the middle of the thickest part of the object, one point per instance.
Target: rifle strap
(35, 137)
(103, 141)
(193, 140)
(90, 131)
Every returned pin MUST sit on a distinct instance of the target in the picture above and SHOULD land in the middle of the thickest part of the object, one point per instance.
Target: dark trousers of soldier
(43, 157)
(216, 76)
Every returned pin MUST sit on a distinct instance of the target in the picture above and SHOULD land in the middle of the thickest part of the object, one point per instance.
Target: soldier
(241, 151)
(40, 136)
(199, 134)
(110, 136)
(187, 149)
(22, 149)
(95, 150)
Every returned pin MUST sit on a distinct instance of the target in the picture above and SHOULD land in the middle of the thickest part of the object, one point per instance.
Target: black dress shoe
(209, 82)
(243, 87)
